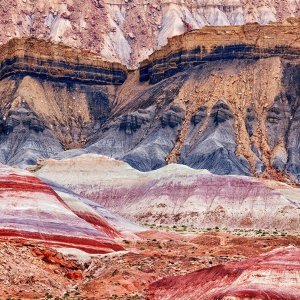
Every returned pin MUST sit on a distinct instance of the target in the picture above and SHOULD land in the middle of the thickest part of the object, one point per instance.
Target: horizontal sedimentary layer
(177, 194)
(215, 43)
(30, 56)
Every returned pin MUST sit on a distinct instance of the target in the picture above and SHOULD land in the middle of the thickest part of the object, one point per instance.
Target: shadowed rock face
(292, 138)
(274, 275)
(130, 123)
(200, 116)
(214, 150)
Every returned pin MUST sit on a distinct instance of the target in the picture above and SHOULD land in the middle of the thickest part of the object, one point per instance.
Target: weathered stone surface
(68, 93)
(235, 113)
(34, 57)
(24, 138)
(215, 43)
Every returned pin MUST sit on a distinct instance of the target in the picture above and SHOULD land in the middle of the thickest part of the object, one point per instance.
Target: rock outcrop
(24, 138)
(274, 275)
(178, 195)
(229, 107)
(34, 57)
(31, 210)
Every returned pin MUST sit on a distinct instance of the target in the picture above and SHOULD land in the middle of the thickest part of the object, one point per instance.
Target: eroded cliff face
(227, 107)
(222, 98)
(52, 98)
(128, 31)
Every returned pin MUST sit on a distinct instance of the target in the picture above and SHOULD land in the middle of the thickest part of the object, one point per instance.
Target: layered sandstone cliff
(250, 41)
(52, 98)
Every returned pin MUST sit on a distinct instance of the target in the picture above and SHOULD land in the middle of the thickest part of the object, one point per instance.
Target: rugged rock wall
(231, 111)
(128, 31)
(222, 43)
(229, 104)
(30, 56)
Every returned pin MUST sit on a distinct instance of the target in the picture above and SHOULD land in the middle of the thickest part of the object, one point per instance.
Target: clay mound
(275, 275)
(176, 194)
(31, 210)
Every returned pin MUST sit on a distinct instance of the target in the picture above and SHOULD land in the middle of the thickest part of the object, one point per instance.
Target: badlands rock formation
(274, 275)
(31, 210)
(178, 195)
(52, 98)
(224, 99)
(128, 31)
(229, 107)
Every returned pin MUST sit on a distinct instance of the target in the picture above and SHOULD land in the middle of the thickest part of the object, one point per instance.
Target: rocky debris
(29, 270)
(27, 274)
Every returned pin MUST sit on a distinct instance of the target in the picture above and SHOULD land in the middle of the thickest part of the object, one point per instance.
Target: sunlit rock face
(31, 210)
(130, 31)
(274, 275)
(177, 194)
